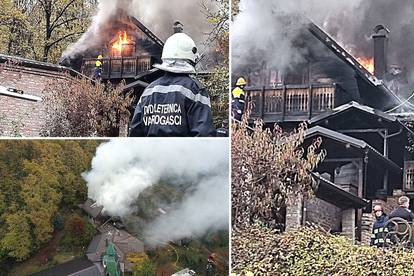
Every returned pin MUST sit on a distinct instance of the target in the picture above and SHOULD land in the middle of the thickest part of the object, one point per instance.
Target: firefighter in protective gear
(224, 130)
(98, 67)
(238, 102)
(379, 236)
(176, 104)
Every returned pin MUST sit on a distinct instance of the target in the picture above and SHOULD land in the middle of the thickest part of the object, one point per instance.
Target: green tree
(38, 180)
(17, 241)
(145, 268)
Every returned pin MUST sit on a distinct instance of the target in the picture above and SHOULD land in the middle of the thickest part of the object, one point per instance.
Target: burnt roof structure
(372, 90)
(91, 208)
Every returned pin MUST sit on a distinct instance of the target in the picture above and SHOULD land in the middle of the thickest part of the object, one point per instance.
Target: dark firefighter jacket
(174, 105)
(237, 108)
(379, 231)
(403, 213)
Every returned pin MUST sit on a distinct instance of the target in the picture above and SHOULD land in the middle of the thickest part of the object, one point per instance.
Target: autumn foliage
(268, 168)
(78, 107)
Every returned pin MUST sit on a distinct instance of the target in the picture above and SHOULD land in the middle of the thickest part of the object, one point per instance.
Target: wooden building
(349, 108)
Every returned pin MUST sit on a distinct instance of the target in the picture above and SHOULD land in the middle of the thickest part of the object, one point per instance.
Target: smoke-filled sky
(268, 28)
(158, 15)
(124, 168)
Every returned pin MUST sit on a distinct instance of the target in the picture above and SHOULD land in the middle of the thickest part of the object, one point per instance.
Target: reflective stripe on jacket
(174, 105)
(379, 232)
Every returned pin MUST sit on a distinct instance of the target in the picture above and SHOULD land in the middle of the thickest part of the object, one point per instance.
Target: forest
(40, 183)
(41, 225)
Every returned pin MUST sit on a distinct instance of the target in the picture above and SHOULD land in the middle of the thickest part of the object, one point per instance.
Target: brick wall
(22, 115)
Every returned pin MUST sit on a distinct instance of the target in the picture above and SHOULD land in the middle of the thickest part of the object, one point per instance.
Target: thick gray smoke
(158, 15)
(355, 29)
(266, 30)
(122, 169)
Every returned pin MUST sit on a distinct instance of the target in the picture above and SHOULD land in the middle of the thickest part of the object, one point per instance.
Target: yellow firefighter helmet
(241, 81)
(100, 57)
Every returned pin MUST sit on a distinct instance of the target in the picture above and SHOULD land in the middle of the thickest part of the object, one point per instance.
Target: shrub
(310, 251)
(80, 108)
(269, 167)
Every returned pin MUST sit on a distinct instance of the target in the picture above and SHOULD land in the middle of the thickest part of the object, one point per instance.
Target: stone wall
(323, 214)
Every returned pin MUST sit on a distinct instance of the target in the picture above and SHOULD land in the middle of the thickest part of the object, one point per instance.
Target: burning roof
(373, 90)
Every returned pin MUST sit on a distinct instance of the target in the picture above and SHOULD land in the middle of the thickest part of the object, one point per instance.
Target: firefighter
(211, 264)
(175, 104)
(238, 99)
(224, 130)
(98, 67)
(379, 230)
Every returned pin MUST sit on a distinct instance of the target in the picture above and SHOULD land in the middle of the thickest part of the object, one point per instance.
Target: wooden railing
(292, 102)
(408, 182)
(118, 68)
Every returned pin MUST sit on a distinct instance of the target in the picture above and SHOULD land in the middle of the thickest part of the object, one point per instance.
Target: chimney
(178, 27)
(380, 38)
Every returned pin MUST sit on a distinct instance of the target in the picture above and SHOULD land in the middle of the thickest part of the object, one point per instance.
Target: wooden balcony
(118, 68)
(408, 181)
(292, 103)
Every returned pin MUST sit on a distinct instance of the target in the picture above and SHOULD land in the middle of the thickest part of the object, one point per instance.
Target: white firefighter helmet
(180, 46)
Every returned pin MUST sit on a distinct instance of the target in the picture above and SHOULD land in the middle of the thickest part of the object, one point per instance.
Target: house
(77, 267)
(123, 242)
(361, 121)
(129, 50)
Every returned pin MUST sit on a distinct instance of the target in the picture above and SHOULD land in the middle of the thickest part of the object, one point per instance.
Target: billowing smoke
(355, 29)
(157, 15)
(267, 30)
(122, 169)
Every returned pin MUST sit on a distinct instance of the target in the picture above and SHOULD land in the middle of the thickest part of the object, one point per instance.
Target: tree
(143, 266)
(42, 29)
(34, 175)
(218, 39)
(17, 240)
(268, 168)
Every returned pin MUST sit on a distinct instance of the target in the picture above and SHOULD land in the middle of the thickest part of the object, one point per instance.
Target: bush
(310, 251)
(80, 108)
(269, 168)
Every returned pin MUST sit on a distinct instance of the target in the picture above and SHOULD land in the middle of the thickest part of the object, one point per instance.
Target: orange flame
(367, 63)
(122, 39)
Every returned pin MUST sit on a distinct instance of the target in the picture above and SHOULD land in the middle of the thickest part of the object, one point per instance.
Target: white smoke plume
(158, 15)
(123, 168)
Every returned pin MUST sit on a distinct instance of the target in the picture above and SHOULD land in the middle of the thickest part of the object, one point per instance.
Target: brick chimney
(380, 38)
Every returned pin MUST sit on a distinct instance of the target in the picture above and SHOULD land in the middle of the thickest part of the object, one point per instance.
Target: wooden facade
(119, 67)
(293, 102)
